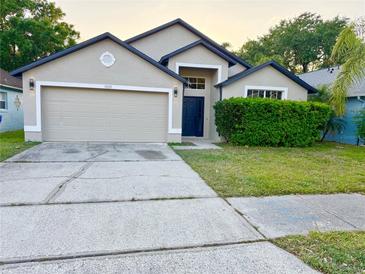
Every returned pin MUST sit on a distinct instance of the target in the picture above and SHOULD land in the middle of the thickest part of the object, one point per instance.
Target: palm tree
(349, 50)
(335, 124)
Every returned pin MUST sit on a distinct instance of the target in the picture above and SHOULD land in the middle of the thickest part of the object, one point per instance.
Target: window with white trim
(3, 100)
(195, 82)
(265, 93)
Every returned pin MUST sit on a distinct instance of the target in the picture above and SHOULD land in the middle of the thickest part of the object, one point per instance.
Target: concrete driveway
(122, 208)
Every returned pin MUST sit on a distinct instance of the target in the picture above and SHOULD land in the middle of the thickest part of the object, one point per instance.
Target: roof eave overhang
(89, 42)
(193, 30)
(276, 66)
(164, 59)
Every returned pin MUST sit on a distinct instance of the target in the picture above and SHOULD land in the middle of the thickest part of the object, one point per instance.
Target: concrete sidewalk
(279, 216)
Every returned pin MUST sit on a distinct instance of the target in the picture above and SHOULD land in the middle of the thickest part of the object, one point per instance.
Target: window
(3, 104)
(265, 93)
(195, 82)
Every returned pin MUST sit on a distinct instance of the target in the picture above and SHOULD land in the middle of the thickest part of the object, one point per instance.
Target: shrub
(269, 122)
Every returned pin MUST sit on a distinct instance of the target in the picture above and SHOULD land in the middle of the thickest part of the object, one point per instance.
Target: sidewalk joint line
(126, 252)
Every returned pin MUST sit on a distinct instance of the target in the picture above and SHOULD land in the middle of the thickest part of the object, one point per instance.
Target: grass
(11, 143)
(261, 171)
(181, 144)
(332, 252)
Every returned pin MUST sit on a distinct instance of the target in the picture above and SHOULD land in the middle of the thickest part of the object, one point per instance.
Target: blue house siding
(12, 117)
(353, 105)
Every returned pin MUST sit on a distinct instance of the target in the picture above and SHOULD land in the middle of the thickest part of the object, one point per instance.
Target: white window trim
(283, 89)
(40, 84)
(6, 101)
(201, 77)
(192, 65)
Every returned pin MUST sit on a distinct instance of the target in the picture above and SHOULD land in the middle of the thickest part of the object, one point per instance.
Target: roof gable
(274, 65)
(9, 81)
(196, 32)
(165, 58)
(92, 41)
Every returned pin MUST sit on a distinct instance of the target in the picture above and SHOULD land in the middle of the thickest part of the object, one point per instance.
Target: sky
(233, 21)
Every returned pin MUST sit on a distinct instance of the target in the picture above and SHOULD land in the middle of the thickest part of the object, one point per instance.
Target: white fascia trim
(7, 86)
(283, 89)
(39, 84)
(192, 65)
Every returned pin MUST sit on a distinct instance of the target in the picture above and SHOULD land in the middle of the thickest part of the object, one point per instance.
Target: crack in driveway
(58, 189)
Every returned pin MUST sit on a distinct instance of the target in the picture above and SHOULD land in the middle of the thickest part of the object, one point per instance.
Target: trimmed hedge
(269, 122)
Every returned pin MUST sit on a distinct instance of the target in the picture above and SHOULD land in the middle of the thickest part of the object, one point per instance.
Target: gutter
(361, 100)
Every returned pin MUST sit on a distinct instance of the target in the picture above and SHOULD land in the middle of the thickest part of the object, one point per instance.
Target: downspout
(363, 102)
(220, 93)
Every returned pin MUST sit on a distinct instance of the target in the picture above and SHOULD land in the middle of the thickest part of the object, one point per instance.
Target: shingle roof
(8, 80)
(276, 66)
(89, 42)
(327, 76)
(166, 57)
(193, 30)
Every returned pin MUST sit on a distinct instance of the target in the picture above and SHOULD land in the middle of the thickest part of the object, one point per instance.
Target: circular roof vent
(107, 59)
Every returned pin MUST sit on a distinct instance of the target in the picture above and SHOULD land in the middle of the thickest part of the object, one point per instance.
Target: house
(355, 101)
(158, 86)
(11, 109)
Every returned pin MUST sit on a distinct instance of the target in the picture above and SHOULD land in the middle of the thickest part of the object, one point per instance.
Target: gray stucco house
(11, 109)
(355, 101)
(158, 86)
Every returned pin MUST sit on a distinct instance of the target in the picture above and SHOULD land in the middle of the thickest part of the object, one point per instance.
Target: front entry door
(193, 116)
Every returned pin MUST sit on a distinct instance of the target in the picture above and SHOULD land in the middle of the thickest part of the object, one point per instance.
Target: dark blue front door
(193, 116)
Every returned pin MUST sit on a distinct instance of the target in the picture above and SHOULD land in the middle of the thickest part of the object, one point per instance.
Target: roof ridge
(336, 66)
(196, 32)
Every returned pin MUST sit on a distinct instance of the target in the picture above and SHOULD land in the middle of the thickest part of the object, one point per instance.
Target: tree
(334, 124)
(226, 45)
(350, 50)
(30, 29)
(301, 44)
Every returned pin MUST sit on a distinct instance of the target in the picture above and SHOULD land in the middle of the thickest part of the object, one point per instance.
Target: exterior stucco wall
(235, 69)
(165, 41)
(268, 77)
(11, 117)
(84, 66)
(200, 55)
(208, 75)
(349, 134)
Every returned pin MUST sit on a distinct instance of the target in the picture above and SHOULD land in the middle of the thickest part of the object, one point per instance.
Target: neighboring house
(155, 87)
(355, 101)
(11, 109)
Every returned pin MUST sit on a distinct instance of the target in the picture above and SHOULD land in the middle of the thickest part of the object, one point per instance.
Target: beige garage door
(70, 114)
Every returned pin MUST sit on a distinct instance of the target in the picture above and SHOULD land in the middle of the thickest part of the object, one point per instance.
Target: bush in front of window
(269, 122)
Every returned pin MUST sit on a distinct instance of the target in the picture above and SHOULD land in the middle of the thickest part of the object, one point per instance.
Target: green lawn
(12, 142)
(259, 171)
(332, 252)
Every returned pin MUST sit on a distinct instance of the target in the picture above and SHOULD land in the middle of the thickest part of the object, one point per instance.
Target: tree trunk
(324, 134)
(305, 67)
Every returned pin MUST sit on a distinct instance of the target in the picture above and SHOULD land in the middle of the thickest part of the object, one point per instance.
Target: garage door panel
(103, 115)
